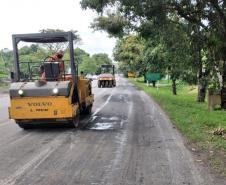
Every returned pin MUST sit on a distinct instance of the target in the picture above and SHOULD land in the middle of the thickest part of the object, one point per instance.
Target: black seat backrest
(52, 70)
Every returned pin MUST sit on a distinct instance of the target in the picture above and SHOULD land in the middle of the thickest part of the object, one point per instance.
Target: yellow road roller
(49, 90)
(107, 76)
(131, 74)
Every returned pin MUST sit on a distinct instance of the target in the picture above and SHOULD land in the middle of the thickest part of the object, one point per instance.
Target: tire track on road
(35, 161)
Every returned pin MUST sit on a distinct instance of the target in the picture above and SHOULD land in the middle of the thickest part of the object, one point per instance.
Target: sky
(30, 16)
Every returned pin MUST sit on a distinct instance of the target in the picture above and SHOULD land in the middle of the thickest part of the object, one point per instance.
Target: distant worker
(82, 76)
(56, 57)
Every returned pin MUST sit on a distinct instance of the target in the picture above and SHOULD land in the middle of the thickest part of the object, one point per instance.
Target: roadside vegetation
(193, 120)
(4, 85)
(183, 39)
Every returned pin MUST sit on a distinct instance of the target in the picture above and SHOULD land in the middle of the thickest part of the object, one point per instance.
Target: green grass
(193, 120)
(3, 84)
(165, 81)
(3, 75)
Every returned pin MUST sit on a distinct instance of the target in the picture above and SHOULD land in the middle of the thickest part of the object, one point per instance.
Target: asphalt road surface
(128, 140)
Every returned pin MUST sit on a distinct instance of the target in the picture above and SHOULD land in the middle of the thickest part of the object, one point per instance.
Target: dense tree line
(6, 62)
(35, 53)
(90, 64)
(186, 39)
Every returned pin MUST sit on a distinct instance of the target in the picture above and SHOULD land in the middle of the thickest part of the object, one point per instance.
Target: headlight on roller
(55, 91)
(20, 92)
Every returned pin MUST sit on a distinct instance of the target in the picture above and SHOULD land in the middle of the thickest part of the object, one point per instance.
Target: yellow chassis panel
(89, 100)
(106, 78)
(56, 107)
(131, 75)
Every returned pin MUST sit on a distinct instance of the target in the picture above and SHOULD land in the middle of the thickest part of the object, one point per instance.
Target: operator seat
(52, 71)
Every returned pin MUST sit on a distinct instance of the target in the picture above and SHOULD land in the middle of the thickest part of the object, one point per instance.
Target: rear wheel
(110, 84)
(75, 121)
(114, 83)
(24, 126)
(88, 109)
(99, 84)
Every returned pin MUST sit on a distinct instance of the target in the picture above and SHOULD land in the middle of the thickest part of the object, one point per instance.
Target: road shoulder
(199, 158)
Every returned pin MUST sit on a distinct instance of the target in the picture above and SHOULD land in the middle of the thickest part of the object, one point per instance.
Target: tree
(80, 54)
(207, 19)
(167, 51)
(100, 59)
(54, 47)
(84, 61)
(88, 66)
(129, 53)
(113, 23)
(6, 60)
(32, 53)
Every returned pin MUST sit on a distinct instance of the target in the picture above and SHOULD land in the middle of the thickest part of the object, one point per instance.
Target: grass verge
(194, 121)
(4, 86)
(3, 75)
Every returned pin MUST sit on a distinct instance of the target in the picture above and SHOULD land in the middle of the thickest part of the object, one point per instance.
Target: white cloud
(26, 16)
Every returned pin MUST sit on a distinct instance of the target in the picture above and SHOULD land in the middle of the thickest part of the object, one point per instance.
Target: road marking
(104, 104)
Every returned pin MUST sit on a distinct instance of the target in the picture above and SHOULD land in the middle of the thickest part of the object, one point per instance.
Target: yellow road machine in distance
(107, 76)
(131, 74)
(48, 91)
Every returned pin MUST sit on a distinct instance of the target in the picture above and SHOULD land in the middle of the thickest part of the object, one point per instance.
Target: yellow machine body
(48, 89)
(106, 78)
(85, 94)
(51, 107)
(42, 108)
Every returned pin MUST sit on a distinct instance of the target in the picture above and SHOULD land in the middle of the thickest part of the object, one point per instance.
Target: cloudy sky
(30, 16)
